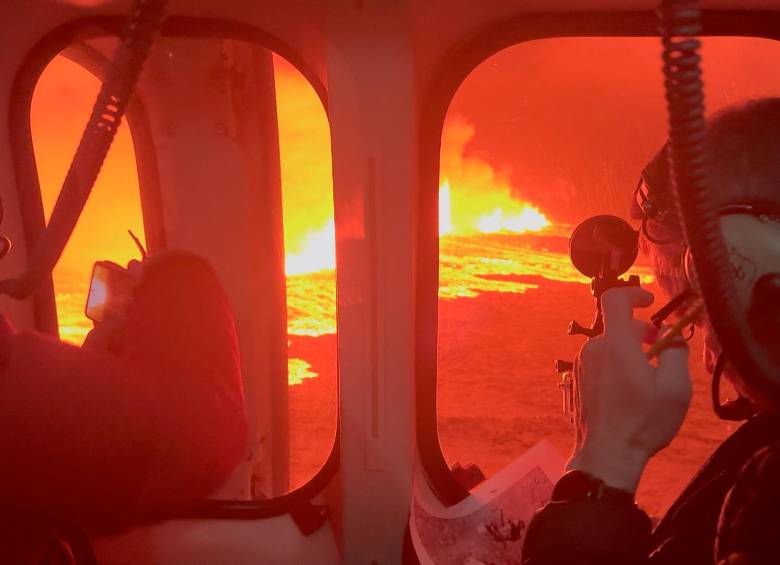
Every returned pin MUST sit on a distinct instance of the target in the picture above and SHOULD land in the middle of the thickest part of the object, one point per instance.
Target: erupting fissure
(318, 252)
(507, 215)
(500, 213)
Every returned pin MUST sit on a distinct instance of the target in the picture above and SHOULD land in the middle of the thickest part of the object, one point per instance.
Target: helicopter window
(310, 240)
(539, 137)
(60, 107)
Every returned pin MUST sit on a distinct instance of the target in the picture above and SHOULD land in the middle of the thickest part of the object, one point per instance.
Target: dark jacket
(103, 440)
(731, 507)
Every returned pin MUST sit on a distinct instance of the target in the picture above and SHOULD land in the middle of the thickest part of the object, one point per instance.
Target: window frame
(451, 71)
(71, 35)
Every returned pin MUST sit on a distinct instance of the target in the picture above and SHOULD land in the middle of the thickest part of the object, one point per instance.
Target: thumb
(672, 375)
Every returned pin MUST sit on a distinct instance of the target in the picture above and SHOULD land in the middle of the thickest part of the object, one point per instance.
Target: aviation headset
(752, 235)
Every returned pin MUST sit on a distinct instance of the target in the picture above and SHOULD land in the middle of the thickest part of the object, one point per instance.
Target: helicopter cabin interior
(386, 190)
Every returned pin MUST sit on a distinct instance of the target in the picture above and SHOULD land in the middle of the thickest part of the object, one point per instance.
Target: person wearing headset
(629, 409)
(140, 423)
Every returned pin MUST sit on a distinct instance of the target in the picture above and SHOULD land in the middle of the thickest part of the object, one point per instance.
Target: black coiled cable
(139, 33)
(698, 211)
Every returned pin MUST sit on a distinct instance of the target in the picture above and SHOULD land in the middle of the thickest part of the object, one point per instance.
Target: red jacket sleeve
(101, 439)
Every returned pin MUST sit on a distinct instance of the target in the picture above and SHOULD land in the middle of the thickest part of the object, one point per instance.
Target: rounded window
(243, 115)
(538, 138)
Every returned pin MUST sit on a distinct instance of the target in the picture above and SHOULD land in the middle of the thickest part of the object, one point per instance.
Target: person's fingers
(589, 356)
(104, 333)
(135, 269)
(674, 357)
(672, 375)
(617, 305)
(588, 361)
(644, 331)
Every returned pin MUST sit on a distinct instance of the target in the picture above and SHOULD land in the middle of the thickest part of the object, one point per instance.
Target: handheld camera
(602, 248)
(110, 291)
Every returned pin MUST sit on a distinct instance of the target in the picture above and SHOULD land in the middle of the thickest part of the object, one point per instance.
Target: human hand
(106, 334)
(626, 409)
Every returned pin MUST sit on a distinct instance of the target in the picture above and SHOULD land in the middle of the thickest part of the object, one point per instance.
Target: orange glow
(445, 208)
(473, 196)
(307, 199)
(297, 371)
(60, 107)
(318, 252)
(527, 219)
(114, 205)
(307, 179)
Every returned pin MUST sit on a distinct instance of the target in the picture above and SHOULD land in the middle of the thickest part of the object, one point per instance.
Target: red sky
(572, 121)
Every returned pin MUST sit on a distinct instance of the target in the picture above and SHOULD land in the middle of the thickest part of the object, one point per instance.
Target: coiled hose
(138, 35)
(688, 158)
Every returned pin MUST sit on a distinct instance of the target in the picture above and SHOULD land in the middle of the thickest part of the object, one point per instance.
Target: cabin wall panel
(211, 109)
(218, 542)
(372, 109)
(20, 313)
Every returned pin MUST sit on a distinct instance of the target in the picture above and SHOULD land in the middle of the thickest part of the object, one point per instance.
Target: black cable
(672, 306)
(732, 410)
(142, 28)
(688, 157)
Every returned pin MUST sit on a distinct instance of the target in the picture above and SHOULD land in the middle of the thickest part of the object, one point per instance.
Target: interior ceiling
(308, 27)
(309, 32)
(452, 8)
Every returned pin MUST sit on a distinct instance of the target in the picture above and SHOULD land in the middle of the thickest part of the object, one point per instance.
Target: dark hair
(745, 169)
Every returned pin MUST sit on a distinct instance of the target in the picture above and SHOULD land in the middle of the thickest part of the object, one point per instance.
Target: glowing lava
(445, 208)
(318, 252)
(515, 216)
(528, 219)
(474, 197)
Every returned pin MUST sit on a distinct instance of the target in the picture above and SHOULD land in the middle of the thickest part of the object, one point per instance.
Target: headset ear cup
(753, 245)
(764, 313)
